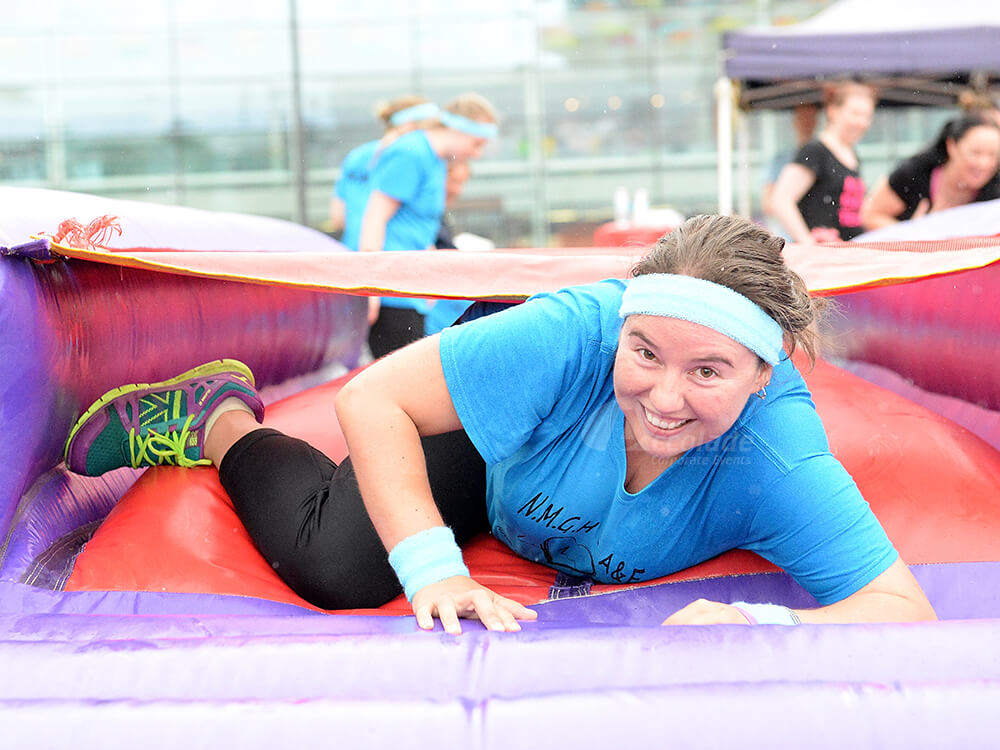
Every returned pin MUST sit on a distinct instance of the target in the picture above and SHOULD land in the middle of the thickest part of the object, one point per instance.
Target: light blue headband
(467, 126)
(706, 303)
(425, 111)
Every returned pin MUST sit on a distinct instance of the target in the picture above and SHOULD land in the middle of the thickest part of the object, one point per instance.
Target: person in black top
(959, 167)
(818, 196)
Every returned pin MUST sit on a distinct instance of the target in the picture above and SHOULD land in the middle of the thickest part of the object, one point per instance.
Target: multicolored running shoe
(150, 424)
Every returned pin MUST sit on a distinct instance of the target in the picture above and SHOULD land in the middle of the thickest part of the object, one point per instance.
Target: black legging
(306, 516)
(395, 328)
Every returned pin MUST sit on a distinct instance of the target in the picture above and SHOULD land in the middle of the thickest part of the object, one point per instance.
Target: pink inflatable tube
(935, 341)
(942, 333)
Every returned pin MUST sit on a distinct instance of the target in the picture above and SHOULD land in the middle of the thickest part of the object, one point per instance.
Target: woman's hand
(825, 234)
(460, 596)
(923, 208)
(705, 612)
(374, 307)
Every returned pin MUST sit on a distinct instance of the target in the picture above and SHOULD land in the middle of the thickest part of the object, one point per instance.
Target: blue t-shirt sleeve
(507, 371)
(399, 174)
(815, 525)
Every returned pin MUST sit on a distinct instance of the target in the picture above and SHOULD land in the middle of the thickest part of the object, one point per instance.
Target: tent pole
(724, 143)
(743, 207)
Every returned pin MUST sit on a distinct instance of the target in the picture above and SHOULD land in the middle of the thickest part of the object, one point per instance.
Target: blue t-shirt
(354, 187)
(443, 313)
(533, 387)
(409, 171)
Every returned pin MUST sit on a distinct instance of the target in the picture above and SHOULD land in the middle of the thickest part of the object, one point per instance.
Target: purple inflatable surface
(590, 672)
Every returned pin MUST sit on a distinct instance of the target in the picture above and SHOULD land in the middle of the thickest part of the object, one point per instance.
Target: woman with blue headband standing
(404, 201)
(618, 431)
(355, 169)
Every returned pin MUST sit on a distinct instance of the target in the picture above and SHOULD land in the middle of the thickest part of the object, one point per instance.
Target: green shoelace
(156, 449)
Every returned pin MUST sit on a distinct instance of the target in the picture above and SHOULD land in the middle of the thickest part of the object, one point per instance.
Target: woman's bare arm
(793, 182)
(383, 412)
(882, 206)
(893, 596)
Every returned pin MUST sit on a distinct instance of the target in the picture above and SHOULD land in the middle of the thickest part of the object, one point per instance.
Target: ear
(949, 147)
(764, 373)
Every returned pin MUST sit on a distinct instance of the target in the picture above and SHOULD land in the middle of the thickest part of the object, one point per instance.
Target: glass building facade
(251, 106)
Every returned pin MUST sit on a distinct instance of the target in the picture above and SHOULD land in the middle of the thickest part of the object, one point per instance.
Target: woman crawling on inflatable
(618, 431)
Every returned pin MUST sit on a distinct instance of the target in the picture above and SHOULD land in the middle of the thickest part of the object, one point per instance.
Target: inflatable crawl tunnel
(135, 610)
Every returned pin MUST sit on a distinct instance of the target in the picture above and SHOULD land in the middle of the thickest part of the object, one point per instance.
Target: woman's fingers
(825, 234)
(517, 609)
(374, 306)
(449, 616)
(499, 613)
(425, 616)
(483, 606)
(462, 597)
(922, 208)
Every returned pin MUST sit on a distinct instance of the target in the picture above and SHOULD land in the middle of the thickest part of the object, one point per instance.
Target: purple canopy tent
(916, 53)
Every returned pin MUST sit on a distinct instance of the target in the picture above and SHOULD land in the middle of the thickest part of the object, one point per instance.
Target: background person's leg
(395, 328)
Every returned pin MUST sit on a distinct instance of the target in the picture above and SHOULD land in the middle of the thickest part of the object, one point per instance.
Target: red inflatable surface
(614, 234)
(934, 486)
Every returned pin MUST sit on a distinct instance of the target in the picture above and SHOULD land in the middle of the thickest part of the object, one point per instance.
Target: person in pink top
(960, 167)
(818, 196)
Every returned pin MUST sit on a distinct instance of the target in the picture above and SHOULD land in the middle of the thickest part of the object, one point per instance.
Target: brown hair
(737, 253)
(836, 93)
(975, 102)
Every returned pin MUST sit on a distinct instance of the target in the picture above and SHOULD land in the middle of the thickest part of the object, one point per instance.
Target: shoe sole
(209, 368)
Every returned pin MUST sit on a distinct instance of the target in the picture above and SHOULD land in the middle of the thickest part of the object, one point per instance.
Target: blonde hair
(473, 106)
(385, 109)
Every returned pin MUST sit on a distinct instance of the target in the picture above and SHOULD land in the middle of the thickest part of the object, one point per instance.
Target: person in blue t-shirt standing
(444, 312)
(404, 203)
(618, 431)
(398, 116)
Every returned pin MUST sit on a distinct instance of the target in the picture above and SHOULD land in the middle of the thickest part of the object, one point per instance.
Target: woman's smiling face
(680, 384)
(976, 155)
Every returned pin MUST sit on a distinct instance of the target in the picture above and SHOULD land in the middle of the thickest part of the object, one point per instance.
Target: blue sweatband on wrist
(767, 614)
(426, 557)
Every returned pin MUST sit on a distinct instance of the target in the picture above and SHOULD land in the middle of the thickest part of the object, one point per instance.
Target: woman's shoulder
(599, 294)
(573, 315)
(412, 145)
(815, 156)
(812, 149)
(991, 190)
(594, 305)
(359, 156)
(920, 163)
(784, 425)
